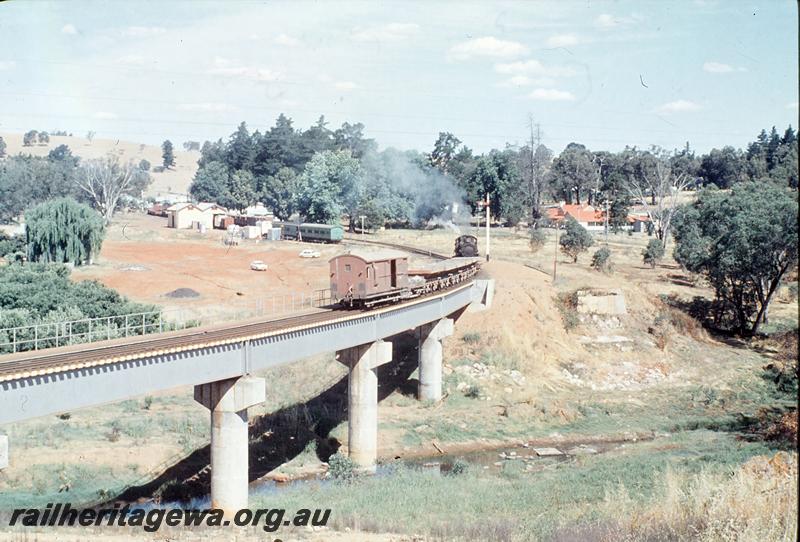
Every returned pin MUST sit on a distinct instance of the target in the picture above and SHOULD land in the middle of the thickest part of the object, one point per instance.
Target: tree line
(323, 175)
(104, 183)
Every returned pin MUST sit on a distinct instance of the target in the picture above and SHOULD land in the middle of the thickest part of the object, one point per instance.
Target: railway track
(37, 363)
(406, 248)
(40, 363)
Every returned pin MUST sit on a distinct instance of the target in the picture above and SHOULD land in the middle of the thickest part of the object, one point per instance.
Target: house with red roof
(586, 215)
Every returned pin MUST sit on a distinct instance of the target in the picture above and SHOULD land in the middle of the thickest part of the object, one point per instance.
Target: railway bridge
(221, 362)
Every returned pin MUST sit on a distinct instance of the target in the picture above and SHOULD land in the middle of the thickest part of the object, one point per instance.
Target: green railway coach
(318, 233)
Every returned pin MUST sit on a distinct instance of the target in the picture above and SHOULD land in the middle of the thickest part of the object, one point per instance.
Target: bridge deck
(68, 378)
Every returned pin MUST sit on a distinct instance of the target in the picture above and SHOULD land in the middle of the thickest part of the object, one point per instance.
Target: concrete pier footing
(3, 451)
(430, 338)
(228, 401)
(362, 395)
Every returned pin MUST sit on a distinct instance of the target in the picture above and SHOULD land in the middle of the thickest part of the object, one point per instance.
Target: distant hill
(174, 181)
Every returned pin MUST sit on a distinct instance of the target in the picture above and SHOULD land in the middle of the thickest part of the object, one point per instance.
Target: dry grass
(759, 502)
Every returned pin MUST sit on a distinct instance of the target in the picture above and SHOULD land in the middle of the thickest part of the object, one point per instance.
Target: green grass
(515, 505)
(46, 483)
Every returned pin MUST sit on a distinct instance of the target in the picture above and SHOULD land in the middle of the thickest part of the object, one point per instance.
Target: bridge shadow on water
(278, 437)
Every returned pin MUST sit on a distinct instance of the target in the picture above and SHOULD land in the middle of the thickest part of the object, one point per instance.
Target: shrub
(341, 468)
(792, 292)
(471, 337)
(784, 371)
(144, 165)
(460, 466)
(472, 391)
(653, 253)
(537, 239)
(601, 260)
(567, 303)
(575, 240)
(661, 330)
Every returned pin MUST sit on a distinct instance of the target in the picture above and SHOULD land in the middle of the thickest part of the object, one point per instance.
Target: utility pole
(555, 255)
(606, 221)
(488, 219)
(362, 217)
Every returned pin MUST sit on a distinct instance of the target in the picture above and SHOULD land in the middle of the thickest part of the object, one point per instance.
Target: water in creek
(529, 458)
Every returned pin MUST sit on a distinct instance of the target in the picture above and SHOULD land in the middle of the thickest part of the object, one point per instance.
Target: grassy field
(676, 488)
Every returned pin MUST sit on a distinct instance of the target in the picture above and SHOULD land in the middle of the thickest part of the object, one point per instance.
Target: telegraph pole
(488, 219)
(555, 254)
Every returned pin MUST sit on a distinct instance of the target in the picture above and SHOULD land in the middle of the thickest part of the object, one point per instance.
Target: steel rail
(25, 365)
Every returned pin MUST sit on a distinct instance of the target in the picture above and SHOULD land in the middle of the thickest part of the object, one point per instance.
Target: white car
(258, 265)
(308, 253)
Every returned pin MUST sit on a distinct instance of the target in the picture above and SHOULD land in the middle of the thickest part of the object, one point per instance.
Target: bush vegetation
(44, 294)
(567, 304)
(601, 260)
(743, 242)
(653, 253)
(575, 240)
(537, 239)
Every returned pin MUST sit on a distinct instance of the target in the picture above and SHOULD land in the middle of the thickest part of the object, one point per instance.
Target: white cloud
(386, 32)
(134, 60)
(286, 40)
(551, 95)
(562, 40)
(7, 65)
(104, 115)
(487, 47)
(534, 68)
(143, 31)
(518, 81)
(69, 29)
(606, 21)
(525, 81)
(719, 67)
(254, 73)
(678, 106)
(208, 107)
(345, 85)
(792, 105)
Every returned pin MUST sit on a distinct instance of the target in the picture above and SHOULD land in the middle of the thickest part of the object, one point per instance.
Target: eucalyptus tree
(104, 181)
(657, 188)
(744, 242)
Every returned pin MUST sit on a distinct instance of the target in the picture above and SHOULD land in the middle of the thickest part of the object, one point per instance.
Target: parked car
(308, 253)
(258, 265)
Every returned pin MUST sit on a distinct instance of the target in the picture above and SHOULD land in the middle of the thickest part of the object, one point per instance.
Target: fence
(43, 335)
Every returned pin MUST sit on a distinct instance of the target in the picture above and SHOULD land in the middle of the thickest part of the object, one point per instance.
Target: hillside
(173, 181)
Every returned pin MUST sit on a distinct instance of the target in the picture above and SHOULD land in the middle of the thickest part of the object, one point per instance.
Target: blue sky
(605, 74)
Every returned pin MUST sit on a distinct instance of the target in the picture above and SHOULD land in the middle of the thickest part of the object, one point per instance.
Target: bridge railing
(42, 335)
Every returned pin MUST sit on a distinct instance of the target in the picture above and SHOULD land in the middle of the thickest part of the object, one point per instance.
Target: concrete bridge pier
(430, 338)
(362, 396)
(228, 401)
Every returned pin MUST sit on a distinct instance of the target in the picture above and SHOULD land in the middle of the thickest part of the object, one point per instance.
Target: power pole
(555, 255)
(488, 219)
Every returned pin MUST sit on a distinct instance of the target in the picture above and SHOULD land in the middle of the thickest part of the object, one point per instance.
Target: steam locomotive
(466, 246)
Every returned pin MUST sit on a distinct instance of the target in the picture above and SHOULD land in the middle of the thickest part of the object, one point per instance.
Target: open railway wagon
(466, 246)
(365, 279)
